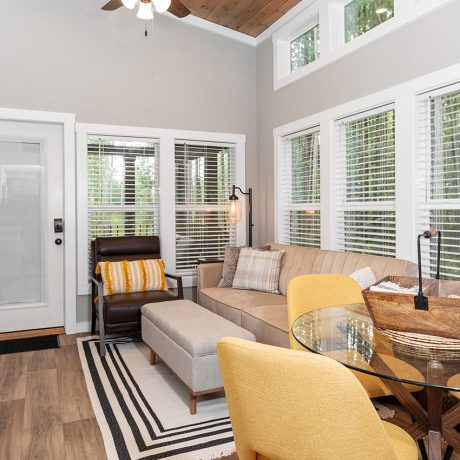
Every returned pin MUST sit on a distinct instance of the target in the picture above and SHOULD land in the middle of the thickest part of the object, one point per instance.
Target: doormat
(30, 344)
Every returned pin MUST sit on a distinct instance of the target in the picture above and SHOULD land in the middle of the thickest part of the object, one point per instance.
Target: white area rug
(143, 410)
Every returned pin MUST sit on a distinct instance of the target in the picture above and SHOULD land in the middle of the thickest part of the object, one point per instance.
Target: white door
(31, 252)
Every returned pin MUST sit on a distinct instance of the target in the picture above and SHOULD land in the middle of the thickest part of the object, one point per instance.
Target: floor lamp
(235, 208)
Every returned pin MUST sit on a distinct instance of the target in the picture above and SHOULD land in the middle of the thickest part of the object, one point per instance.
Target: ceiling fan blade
(112, 5)
(178, 9)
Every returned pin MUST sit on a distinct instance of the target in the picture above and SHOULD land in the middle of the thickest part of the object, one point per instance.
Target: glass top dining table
(347, 335)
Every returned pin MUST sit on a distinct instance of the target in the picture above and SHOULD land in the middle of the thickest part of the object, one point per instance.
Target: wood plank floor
(45, 410)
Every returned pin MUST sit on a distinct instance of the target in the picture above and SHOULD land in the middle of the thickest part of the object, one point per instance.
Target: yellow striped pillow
(132, 276)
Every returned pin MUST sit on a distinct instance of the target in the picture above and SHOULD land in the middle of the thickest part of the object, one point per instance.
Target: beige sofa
(265, 315)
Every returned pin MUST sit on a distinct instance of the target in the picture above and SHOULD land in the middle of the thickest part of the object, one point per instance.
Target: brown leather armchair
(122, 312)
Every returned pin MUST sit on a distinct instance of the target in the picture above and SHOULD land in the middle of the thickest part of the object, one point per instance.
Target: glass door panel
(21, 204)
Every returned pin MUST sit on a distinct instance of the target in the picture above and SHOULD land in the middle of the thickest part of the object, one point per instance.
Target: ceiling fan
(175, 7)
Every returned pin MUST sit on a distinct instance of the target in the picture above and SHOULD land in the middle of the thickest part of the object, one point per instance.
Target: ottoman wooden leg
(193, 400)
(153, 357)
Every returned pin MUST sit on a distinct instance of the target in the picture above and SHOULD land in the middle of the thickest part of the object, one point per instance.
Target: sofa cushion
(269, 324)
(192, 327)
(229, 302)
(307, 261)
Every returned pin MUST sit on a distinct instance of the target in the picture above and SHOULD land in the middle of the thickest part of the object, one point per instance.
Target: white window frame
(330, 14)
(279, 159)
(341, 205)
(167, 138)
(404, 97)
(425, 203)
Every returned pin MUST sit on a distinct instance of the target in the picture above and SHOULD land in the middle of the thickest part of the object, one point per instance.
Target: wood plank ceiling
(250, 17)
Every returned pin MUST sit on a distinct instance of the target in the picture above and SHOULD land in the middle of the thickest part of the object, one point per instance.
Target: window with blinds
(365, 187)
(299, 189)
(123, 187)
(205, 173)
(438, 178)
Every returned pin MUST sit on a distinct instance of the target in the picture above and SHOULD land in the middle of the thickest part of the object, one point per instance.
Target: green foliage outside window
(363, 15)
(445, 181)
(305, 223)
(305, 49)
(122, 174)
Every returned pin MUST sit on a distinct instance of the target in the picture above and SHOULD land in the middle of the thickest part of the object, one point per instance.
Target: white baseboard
(84, 326)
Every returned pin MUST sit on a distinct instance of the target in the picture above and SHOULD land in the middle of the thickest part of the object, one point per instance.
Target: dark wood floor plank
(83, 439)
(43, 436)
(13, 376)
(11, 425)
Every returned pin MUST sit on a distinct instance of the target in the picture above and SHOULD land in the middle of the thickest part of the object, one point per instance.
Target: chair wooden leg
(193, 400)
(153, 357)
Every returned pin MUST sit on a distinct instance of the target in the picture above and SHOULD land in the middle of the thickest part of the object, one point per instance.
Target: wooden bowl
(397, 312)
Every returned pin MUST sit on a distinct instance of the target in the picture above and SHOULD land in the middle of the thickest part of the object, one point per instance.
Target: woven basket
(423, 346)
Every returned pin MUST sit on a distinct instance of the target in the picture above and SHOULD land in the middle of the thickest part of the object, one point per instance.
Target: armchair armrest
(100, 308)
(97, 281)
(180, 289)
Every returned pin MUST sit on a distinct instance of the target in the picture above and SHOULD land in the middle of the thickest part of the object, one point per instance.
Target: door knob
(58, 241)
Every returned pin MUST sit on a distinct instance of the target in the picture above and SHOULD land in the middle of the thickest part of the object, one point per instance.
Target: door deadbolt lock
(58, 226)
(58, 241)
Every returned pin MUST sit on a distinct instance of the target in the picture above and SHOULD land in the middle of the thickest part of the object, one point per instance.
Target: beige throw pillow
(258, 270)
(232, 254)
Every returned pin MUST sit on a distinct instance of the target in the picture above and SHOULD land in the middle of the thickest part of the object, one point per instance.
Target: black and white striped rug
(143, 411)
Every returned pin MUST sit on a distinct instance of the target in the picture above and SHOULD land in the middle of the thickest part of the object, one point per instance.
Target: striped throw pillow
(258, 270)
(132, 276)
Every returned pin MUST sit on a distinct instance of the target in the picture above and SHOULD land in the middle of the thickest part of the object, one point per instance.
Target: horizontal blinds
(438, 179)
(205, 174)
(299, 189)
(365, 183)
(123, 187)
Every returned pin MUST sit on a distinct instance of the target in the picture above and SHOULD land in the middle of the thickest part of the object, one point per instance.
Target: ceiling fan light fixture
(145, 10)
(130, 4)
(162, 5)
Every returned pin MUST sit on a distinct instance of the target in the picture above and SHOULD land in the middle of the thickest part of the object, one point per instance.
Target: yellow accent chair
(312, 292)
(288, 405)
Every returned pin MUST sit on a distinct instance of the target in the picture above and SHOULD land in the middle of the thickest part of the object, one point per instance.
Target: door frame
(67, 120)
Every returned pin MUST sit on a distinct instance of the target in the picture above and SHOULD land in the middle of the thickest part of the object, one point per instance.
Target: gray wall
(69, 56)
(420, 48)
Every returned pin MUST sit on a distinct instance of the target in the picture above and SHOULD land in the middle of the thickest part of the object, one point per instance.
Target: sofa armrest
(208, 275)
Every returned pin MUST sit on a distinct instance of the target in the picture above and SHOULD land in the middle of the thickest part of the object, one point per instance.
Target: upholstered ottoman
(184, 335)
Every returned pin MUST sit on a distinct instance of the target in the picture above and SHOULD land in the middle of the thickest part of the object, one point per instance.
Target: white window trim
(404, 96)
(167, 138)
(333, 46)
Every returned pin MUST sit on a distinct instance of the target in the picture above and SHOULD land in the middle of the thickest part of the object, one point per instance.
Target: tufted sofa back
(307, 261)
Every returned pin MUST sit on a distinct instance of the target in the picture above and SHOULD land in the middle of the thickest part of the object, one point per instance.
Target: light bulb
(130, 4)
(234, 211)
(162, 5)
(145, 10)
